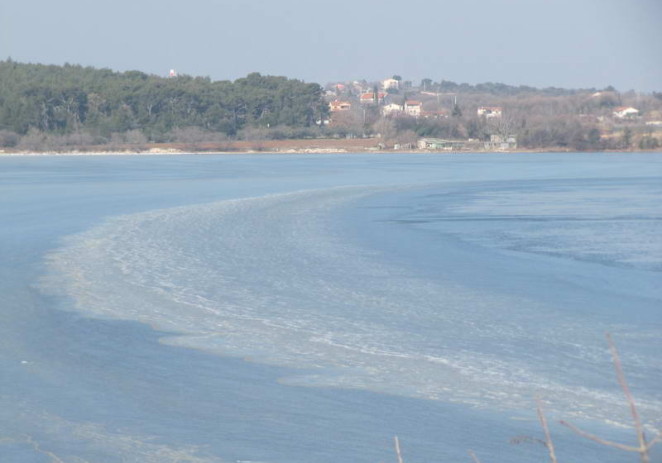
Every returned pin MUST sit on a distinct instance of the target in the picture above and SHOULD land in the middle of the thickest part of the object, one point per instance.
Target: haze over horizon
(565, 43)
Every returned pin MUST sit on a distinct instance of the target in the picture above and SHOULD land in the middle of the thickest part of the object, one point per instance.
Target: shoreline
(199, 152)
(289, 146)
(223, 147)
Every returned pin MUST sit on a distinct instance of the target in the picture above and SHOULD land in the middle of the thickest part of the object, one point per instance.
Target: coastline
(295, 148)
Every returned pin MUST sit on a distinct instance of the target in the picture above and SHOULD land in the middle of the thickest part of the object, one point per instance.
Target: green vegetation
(94, 106)
(493, 88)
(48, 107)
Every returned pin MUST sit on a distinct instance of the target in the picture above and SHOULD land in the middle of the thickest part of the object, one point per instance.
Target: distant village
(429, 117)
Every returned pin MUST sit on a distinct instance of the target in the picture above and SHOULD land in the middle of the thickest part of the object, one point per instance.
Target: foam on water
(265, 278)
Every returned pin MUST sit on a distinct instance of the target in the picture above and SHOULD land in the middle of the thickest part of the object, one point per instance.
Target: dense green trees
(71, 99)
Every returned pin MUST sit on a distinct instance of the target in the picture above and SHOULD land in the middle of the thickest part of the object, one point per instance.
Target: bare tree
(387, 131)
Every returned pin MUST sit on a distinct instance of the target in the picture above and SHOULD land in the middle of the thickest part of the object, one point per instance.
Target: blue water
(309, 308)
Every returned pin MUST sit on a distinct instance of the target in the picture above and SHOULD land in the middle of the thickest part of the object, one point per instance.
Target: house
(413, 108)
(501, 143)
(489, 111)
(392, 109)
(434, 114)
(390, 84)
(625, 112)
(372, 98)
(337, 105)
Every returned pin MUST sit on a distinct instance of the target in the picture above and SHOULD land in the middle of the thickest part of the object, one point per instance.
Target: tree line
(95, 105)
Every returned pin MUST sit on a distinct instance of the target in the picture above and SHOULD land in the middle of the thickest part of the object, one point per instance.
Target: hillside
(551, 118)
(47, 107)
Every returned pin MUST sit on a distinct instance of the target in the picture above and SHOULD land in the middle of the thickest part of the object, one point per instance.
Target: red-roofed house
(337, 105)
(372, 98)
(413, 108)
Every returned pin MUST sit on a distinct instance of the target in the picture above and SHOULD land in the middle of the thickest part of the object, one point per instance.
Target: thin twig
(548, 437)
(517, 440)
(654, 440)
(641, 436)
(397, 449)
(599, 440)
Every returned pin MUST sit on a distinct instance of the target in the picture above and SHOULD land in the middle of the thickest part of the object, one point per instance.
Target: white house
(390, 83)
(392, 109)
(413, 108)
(490, 111)
(625, 112)
(434, 114)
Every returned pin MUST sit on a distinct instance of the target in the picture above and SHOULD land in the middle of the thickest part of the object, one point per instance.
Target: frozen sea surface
(343, 300)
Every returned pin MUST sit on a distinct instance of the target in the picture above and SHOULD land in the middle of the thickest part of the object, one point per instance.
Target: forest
(85, 105)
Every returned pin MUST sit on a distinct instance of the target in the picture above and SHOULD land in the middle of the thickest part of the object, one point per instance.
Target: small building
(434, 114)
(390, 84)
(489, 111)
(439, 144)
(372, 98)
(413, 108)
(501, 143)
(337, 105)
(392, 109)
(625, 112)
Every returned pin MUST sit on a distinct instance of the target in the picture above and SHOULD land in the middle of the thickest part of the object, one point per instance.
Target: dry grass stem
(473, 456)
(641, 436)
(548, 437)
(599, 440)
(644, 446)
(397, 449)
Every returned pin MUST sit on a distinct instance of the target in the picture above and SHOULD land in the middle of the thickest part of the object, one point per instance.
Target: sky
(560, 43)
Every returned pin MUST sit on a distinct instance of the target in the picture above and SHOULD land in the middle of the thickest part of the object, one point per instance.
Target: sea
(300, 308)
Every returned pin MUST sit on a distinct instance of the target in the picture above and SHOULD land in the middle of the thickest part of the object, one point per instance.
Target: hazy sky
(563, 43)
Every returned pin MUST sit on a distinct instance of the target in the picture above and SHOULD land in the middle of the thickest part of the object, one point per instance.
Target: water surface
(331, 302)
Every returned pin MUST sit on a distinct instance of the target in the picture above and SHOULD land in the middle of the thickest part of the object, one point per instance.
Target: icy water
(309, 308)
